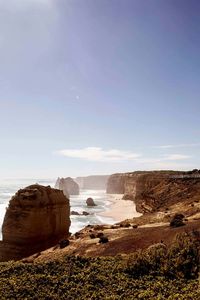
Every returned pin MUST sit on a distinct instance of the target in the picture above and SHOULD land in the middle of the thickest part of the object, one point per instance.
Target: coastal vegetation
(159, 272)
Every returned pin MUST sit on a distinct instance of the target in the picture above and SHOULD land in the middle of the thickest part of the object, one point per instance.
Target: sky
(98, 86)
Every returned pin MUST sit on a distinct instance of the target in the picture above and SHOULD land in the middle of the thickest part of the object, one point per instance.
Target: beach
(119, 209)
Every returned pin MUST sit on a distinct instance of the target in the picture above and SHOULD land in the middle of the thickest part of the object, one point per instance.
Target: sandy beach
(120, 209)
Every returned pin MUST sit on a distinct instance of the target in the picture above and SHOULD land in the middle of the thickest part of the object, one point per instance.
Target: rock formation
(93, 182)
(68, 186)
(75, 213)
(90, 202)
(37, 218)
(154, 190)
(115, 184)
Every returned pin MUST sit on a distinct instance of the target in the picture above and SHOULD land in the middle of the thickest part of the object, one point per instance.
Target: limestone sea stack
(68, 186)
(37, 218)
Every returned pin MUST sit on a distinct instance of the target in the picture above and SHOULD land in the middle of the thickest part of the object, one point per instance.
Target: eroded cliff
(37, 218)
(156, 190)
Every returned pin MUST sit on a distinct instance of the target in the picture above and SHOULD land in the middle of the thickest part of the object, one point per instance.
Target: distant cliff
(93, 182)
(154, 190)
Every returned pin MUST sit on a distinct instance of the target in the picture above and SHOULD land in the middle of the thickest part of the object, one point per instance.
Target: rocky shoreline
(158, 195)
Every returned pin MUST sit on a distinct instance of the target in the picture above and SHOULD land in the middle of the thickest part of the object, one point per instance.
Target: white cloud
(115, 155)
(178, 146)
(176, 157)
(98, 154)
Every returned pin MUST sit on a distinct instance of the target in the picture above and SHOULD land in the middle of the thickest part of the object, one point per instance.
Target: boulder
(103, 240)
(177, 220)
(68, 186)
(85, 213)
(90, 202)
(74, 213)
(63, 243)
(37, 218)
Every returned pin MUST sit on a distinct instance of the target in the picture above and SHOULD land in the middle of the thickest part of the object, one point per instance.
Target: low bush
(177, 220)
(180, 260)
(158, 273)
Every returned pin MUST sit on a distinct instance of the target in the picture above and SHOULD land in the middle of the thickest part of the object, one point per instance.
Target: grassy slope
(88, 278)
(159, 272)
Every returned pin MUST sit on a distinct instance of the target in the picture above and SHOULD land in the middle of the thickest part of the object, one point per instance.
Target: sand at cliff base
(119, 209)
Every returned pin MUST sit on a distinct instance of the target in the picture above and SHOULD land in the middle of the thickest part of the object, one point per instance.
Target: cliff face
(116, 184)
(37, 218)
(155, 193)
(155, 190)
(68, 186)
(93, 182)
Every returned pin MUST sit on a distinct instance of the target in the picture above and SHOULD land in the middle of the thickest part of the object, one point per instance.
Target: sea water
(77, 202)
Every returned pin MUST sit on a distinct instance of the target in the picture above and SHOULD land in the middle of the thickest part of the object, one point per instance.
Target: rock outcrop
(90, 202)
(68, 186)
(75, 213)
(93, 182)
(37, 218)
(155, 190)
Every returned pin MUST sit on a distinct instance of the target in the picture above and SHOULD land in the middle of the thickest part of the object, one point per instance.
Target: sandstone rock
(155, 190)
(68, 186)
(37, 218)
(115, 184)
(90, 202)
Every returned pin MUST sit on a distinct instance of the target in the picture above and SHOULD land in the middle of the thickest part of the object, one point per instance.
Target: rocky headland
(156, 190)
(37, 218)
(35, 213)
(159, 195)
(157, 253)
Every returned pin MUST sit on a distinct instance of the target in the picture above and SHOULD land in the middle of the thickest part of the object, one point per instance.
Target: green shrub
(157, 273)
(180, 260)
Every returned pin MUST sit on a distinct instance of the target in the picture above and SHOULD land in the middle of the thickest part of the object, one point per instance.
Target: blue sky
(98, 86)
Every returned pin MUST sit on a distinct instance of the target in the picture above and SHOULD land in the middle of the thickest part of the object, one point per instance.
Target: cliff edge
(156, 190)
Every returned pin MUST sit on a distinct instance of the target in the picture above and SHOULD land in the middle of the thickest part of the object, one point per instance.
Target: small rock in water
(74, 213)
(85, 213)
(90, 202)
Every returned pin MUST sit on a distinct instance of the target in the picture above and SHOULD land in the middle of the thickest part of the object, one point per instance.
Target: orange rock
(37, 218)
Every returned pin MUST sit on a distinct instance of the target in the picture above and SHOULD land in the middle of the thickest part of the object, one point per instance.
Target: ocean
(9, 187)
